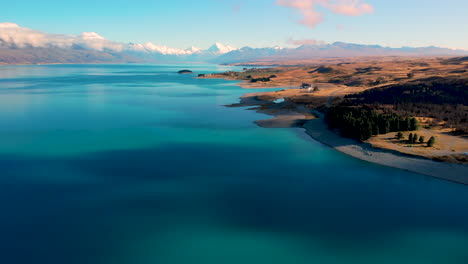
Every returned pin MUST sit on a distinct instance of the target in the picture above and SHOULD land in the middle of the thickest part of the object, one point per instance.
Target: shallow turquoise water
(117, 164)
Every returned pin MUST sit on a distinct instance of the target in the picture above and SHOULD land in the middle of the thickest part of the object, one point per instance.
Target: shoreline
(315, 128)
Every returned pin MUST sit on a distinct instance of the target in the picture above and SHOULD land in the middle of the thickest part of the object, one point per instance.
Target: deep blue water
(135, 164)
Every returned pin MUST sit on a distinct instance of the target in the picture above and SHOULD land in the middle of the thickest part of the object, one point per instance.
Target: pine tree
(431, 142)
(422, 139)
(415, 138)
(387, 126)
(414, 124)
(410, 138)
(399, 135)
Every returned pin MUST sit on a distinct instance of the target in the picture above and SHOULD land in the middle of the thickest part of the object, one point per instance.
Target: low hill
(335, 50)
(435, 90)
(440, 100)
(57, 55)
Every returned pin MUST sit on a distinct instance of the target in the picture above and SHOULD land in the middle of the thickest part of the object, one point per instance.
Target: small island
(185, 72)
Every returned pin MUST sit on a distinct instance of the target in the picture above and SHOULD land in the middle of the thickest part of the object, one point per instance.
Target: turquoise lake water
(135, 164)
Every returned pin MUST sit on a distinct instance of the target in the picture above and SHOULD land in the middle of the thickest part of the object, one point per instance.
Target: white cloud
(94, 41)
(91, 36)
(312, 17)
(150, 47)
(300, 42)
(217, 48)
(12, 35)
(8, 25)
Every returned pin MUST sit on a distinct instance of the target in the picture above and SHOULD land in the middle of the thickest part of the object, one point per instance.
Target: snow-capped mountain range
(216, 48)
(23, 45)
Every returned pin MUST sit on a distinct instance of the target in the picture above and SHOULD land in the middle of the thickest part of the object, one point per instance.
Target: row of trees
(362, 122)
(263, 79)
(415, 138)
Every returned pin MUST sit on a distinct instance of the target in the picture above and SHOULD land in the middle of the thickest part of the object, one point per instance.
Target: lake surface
(135, 164)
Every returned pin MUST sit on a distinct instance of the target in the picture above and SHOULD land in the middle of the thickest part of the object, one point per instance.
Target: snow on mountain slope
(219, 48)
(22, 45)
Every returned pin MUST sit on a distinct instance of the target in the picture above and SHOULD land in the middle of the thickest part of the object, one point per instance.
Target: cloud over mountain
(24, 45)
(15, 36)
(312, 17)
(300, 42)
(150, 47)
(12, 35)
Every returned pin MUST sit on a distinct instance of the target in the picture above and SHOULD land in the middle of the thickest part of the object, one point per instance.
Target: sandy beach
(447, 171)
(288, 114)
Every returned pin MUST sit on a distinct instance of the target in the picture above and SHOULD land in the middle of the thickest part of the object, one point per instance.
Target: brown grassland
(331, 80)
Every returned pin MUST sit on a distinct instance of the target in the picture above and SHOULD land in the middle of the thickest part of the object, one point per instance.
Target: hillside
(58, 55)
(437, 101)
(294, 56)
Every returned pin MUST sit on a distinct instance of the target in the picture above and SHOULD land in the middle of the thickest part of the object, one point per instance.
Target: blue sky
(258, 23)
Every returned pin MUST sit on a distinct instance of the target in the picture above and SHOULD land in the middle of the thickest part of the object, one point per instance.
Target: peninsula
(408, 113)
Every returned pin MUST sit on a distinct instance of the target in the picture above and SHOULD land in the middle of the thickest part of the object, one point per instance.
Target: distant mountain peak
(220, 48)
(22, 45)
